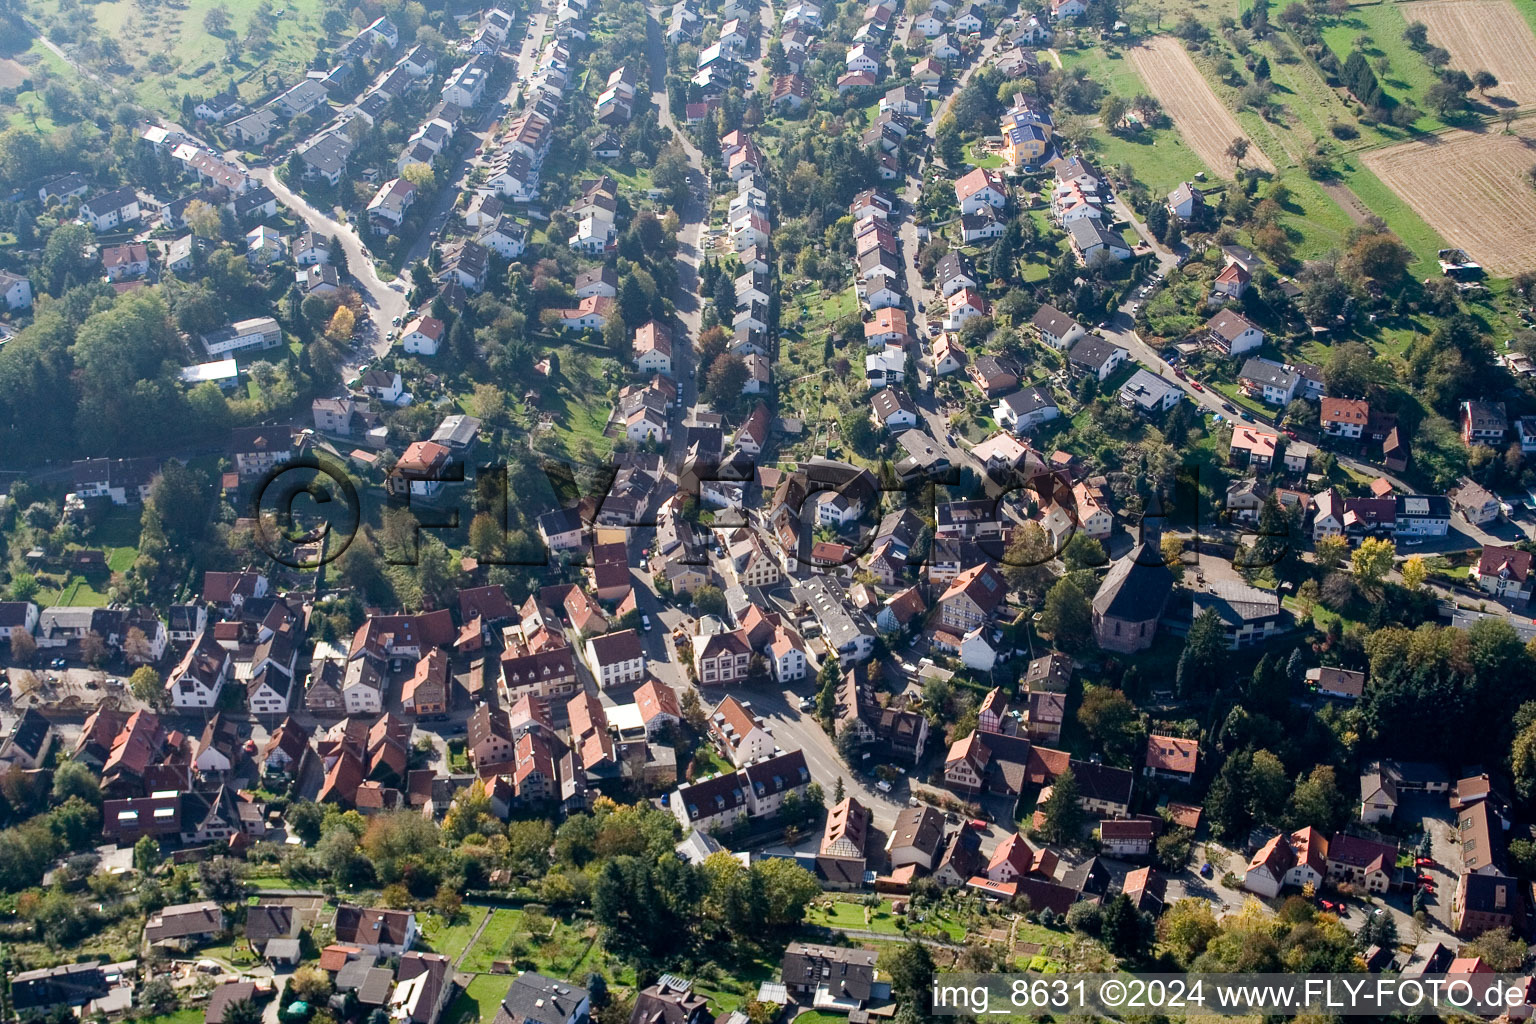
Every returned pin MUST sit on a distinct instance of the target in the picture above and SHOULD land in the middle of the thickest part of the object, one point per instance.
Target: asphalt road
(384, 302)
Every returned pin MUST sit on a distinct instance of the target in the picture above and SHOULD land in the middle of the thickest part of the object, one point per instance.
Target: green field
(451, 939)
(1409, 77)
(1158, 156)
(1400, 217)
(197, 62)
(564, 951)
(478, 1002)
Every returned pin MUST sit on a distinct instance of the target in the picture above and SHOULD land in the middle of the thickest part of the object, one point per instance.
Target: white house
(15, 290)
(616, 658)
(199, 678)
(1056, 328)
(423, 336)
(1234, 333)
(105, 212)
(1025, 409)
(981, 187)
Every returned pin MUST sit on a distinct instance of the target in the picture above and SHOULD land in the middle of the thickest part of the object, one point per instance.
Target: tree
(724, 381)
(146, 855)
(23, 648)
(1237, 149)
(911, 970)
(1172, 548)
(1067, 617)
(1416, 35)
(242, 1011)
(1498, 948)
(1484, 80)
(1027, 560)
(1414, 573)
(217, 22)
(145, 686)
(1112, 111)
(1328, 551)
(157, 995)
(1522, 762)
(1083, 552)
(1316, 801)
(1203, 662)
(342, 325)
(1122, 928)
(1063, 815)
(311, 984)
(421, 175)
(219, 880)
(74, 779)
(1186, 928)
(203, 219)
(1109, 717)
(709, 600)
(1372, 561)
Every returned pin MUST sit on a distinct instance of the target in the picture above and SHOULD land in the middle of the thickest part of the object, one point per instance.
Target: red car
(1328, 905)
(1197, 385)
(978, 825)
(1426, 880)
(1424, 862)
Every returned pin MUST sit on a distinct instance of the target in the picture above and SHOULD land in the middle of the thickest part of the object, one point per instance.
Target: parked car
(978, 824)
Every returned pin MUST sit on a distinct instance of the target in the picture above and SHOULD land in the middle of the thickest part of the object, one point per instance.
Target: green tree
(1202, 665)
(1111, 720)
(911, 970)
(1372, 561)
(709, 600)
(242, 1011)
(1067, 617)
(146, 855)
(787, 889)
(1316, 801)
(1063, 815)
(1083, 552)
(145, 686)
(1027, 560)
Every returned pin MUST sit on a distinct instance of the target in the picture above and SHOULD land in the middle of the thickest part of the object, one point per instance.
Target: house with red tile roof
(1171, 757)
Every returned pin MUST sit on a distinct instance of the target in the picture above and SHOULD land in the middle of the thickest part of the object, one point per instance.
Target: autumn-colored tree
(1414, 573)
(343, 323)
(420, 175)
(1329, 551)
(1372, 560)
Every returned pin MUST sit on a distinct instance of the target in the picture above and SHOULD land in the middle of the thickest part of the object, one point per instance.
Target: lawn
(564, 951)
(1418, 236)
(480, 1001)
(185, 1015)
(1315, 223)
(1408, 77)
(1158, 156)
(234, 952)
(494, 942)
(977, 155)
(197, 59)
(450, 939)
